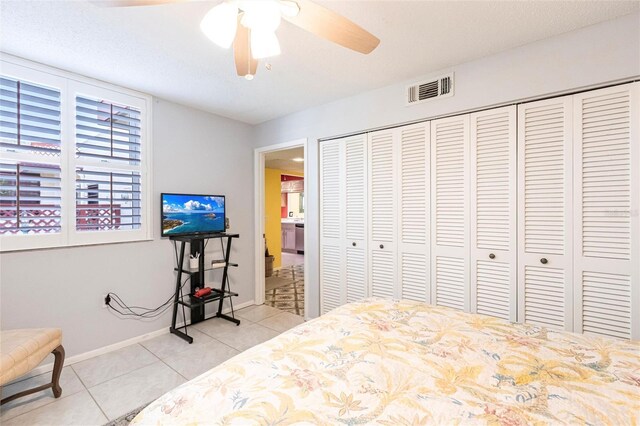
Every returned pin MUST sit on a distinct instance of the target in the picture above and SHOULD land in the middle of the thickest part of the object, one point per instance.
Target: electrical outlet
(105, 300)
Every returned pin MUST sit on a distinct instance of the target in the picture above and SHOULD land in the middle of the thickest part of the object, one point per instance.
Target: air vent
(437, 88)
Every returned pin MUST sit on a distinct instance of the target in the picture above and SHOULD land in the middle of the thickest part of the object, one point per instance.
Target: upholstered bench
(22, 350)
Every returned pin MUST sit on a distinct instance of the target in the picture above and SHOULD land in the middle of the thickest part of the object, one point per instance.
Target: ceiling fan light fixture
(264, 44)
(248, 77)
(220, 24)
(260, 15)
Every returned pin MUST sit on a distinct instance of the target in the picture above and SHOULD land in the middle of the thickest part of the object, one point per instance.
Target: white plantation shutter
(355, 185)
(29, 117)
(31, 169)
(493, 213)
(331, 226)
(30, 198)
(110, 174)
(74, 160)
(545, 213)
(107, 200)
(449, 212)
(106, 130)
(413, 214)
(382, 212)
(607, 200)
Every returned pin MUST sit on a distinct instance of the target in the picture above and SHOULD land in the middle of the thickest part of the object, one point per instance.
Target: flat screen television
(191, 214)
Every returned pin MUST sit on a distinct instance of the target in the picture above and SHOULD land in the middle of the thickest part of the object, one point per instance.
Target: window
(73, 160)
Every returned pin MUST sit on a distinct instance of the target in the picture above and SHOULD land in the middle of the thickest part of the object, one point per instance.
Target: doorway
(280, 226)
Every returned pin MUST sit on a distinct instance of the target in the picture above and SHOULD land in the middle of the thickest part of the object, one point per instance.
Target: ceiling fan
(250, 25)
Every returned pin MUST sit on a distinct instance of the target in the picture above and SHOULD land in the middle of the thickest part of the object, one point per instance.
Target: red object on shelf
(203, 292)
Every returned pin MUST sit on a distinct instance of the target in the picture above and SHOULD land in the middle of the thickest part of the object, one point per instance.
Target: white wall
(199, 152)
(602, 53)
(193, 152)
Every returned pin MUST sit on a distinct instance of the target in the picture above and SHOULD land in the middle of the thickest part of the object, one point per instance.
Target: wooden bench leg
(55, 379)
(57, 369)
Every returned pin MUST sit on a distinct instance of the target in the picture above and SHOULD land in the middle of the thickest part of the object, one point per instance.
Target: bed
(394, 363)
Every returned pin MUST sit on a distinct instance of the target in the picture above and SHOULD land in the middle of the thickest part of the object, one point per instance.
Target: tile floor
(291, 259)
(101, 389)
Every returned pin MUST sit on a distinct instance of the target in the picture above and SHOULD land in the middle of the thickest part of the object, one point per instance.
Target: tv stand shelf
(189, 300)
(196, 305)
(187, 271)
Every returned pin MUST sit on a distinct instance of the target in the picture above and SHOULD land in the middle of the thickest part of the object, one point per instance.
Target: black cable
(123, 305)
(150, 312)
(138, 315)
(144, 315)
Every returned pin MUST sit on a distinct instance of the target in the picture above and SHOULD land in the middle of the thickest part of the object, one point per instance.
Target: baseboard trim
(119, 345)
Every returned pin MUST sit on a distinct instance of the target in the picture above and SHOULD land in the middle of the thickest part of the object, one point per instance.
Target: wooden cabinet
(289, 237)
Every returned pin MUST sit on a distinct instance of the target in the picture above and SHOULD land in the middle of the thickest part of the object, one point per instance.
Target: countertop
(292, 220)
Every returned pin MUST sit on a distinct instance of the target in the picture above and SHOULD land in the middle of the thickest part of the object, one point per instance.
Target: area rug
(275, 281)
(288, 296)
(127, 418)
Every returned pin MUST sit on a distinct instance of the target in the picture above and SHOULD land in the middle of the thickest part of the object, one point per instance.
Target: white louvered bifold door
(413, 215)
(450, 212)
(545, 213)
(355, 237)
(493, 213)
(382, 213)
(606, 199)
(332, 265)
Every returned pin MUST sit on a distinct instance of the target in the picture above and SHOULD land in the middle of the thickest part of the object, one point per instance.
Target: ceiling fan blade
(332, 26)
(128, 3)
(245, 64)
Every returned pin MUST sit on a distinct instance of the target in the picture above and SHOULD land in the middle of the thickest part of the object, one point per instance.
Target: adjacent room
(284, 229)
(319, 212)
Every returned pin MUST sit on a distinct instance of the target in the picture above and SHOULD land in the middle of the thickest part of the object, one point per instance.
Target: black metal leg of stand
(173, 328)
(224, 284)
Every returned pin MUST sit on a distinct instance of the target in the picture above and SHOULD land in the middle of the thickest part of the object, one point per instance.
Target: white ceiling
(161, 51)
(283, 160)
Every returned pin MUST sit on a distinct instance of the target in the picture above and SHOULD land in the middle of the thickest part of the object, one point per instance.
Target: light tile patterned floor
(108, 386)
(289, 295)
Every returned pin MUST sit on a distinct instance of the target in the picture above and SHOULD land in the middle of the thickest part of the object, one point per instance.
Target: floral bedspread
(395, 363)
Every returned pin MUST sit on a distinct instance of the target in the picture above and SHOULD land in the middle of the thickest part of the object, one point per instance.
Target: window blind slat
(12, 106)
(105, 157)
(116, 108)
(31, 128)
(103, 131)
(135, 145)
(94, 118)
(12, 118)
(103, 148)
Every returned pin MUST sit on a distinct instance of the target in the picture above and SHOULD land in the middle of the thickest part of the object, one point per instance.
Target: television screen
(185, 214)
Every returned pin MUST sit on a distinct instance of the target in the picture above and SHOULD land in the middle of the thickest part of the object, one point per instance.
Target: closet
(528, 213)
(493, 205)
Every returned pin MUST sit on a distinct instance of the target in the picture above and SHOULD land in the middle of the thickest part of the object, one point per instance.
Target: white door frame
(258, 170)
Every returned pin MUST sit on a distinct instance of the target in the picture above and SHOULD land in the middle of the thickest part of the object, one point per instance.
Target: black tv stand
(195, 304)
